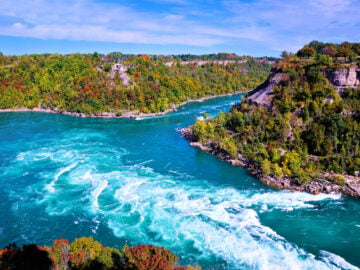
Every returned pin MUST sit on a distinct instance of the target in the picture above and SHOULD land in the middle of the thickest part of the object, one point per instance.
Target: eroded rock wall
(344, 77)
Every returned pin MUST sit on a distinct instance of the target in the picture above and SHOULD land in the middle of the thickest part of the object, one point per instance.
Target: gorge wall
(340, 79)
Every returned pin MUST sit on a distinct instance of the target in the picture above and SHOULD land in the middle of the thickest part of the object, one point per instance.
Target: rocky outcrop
(120, 70)
(351, 185)
(319, 185)
(341, 78)
(187, 134)
(263, 94)
(344, 77)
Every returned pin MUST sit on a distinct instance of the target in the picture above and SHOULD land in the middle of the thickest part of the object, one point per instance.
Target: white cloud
(91, 21)
(99, 33)
(287, 25)
(18, 26)
(276, 24)
(329, 7)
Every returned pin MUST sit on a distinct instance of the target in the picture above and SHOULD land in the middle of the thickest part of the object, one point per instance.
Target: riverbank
(126, 114)
(351, 185)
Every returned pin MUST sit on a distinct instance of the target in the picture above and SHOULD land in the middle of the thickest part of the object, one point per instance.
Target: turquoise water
(138, 181)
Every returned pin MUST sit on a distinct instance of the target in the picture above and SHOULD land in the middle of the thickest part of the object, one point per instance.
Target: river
(127, 181)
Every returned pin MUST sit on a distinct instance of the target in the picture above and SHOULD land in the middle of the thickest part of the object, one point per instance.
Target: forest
(83, 82)
(308, 131)
(87, 253)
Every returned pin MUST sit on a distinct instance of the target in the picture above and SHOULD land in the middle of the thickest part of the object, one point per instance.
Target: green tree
(266, 167)
(284, 54)
(306, 52)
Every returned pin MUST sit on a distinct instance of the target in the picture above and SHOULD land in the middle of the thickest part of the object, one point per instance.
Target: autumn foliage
(86, 253)
(149, 257)
(83, 82)
(306, 130)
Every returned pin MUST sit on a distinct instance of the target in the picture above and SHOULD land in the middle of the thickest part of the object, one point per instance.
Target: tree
(60, 253)
(352, 57)
(329, 50)
(115, 56)
(266, 167)
(277, 170)
(95, 55)
(85, 253)
(306, 52)
(317, 45)
(228, 145)
(150, 257)
(284, 54)
(29, 257)
(344, 52)
(324, 60)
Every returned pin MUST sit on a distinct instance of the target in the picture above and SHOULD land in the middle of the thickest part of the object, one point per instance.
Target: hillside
(115, 84)
(299, 129)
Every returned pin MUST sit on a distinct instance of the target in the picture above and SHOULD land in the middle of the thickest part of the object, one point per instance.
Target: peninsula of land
(300, 129)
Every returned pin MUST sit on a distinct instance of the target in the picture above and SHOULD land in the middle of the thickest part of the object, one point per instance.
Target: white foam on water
(336, 260)
(51, 186)
(55, 154)
(145, 162)
(215, 221)
(200, 118)
(98, 189)
(20, 156)
(33, 156)
(151, 208)
(139, 118)
(287, 200)
(218, 222)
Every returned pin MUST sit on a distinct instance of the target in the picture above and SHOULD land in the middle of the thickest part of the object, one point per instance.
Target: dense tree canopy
(82, 82)
(308, 129)
(345, 51)
(306, 51)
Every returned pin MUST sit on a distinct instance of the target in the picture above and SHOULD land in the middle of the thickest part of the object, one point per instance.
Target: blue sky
(246, 27)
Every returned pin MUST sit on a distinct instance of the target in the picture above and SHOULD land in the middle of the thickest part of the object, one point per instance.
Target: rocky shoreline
(126, 114)
(321, 185)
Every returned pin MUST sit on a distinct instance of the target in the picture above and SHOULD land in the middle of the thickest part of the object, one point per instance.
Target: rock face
(121, 70)
(344, 77)
(341, 78)
(263, 94)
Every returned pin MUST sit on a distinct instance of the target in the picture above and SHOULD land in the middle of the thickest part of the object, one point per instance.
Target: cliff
(263, 94)
(120, 70)
(346, 77)
(298, 130)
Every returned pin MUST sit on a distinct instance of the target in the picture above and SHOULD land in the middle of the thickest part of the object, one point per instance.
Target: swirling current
(138, 181)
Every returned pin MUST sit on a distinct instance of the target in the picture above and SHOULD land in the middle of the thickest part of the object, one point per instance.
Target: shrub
(266, 167)
(339, 180)
(149, 257)
(86, 253)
